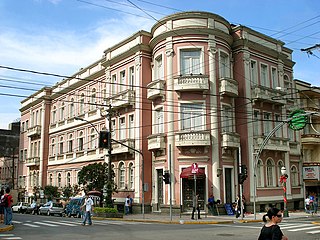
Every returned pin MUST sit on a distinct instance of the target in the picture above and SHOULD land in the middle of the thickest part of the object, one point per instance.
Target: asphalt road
(33, 227)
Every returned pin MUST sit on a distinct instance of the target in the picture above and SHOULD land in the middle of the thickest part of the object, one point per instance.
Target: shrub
(104, 210)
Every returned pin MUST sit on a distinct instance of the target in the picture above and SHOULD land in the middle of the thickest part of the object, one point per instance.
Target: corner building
(196, 89)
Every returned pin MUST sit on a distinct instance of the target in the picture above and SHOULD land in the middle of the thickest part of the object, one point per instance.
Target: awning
(187, 173)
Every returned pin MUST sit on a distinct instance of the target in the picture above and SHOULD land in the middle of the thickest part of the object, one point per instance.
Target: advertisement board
(311, 173)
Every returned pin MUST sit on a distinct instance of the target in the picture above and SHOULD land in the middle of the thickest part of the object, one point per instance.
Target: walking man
(88, 208)
(196, 206)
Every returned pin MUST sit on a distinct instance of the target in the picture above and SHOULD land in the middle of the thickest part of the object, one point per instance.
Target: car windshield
(57, 205)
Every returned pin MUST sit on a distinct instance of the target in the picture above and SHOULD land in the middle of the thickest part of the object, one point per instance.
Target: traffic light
(104, 139)
(244, 174)
(166, 177)
(242, 178)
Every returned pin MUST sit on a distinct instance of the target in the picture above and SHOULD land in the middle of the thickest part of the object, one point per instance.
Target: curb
(6, 228)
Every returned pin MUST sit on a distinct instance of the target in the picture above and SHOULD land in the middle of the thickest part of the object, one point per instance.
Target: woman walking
(271, 230)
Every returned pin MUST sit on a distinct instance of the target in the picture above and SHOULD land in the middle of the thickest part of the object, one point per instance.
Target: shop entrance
(187, 193)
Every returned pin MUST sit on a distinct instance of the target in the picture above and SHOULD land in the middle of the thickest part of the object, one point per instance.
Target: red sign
(194, 168)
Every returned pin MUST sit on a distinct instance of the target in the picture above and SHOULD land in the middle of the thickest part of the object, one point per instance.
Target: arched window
(81, 107)
(122, 174)
(270, 173)
(71, 108)
(70, 143)
(50, 179)
(294, 176)
(54, 115)
(259, 173)
(68, 179)
(61, 145)
(59, 179)
(131, 176)
(62, 112)
(93, 138)
(80, 141)
(52, 148)
(93, 99)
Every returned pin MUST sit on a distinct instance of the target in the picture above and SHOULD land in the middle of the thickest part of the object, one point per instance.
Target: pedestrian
(127, 204)
(271, 229)
(7, 207)
(211, 204)
(130, 204)
(195, 206)
(1, 206)
(88, 208)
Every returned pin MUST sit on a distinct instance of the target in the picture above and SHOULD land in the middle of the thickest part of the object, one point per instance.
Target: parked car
(51, 208)
(73, 207)
(20, 207)
(33, 208)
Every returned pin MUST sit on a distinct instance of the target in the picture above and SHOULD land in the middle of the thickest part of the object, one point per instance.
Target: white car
(20, 207)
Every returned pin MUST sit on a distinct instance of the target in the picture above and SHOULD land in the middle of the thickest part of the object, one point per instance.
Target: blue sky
(61, 36)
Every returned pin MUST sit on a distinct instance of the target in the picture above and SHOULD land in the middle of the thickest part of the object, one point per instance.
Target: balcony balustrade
(122, 99)
(191, 83)
(34, 131)
(33, 161)
(267, 94)
(156, 89)
(192, 138)
(228, 86)
(230, 140)
(274, 143)
(156, 141)
(118, 148)
(310, 139)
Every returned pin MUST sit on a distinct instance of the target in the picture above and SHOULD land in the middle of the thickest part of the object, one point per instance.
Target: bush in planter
(107, 212)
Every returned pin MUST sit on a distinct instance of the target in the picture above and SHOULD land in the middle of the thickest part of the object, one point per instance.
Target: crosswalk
(305, 227)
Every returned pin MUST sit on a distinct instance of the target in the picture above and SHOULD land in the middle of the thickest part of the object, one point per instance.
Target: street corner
(6, 228)
(249, 220)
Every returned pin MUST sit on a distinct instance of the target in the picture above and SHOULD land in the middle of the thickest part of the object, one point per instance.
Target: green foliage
(104, 210)
(70, 191)
(51, 192)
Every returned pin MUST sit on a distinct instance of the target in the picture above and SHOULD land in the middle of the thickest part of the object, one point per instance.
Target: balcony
(274, 143)
(191, 83)
(310, 139)
(267, 94)
(156, 141)
(33, 161)
(155, 89)
(228, 86)
(192, 138)
(118, 148)
(230, 140)
(34, 131)
(123, 99)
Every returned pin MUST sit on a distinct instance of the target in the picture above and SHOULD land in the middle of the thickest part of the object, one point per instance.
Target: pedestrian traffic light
(166, 177)
(244, 170)
(242, 178)
(104, 139)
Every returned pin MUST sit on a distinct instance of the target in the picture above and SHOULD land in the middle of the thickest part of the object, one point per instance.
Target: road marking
(12, 238)
(31, 225)
(301, 229)
(63, 223)
(314, 232)
(6, 235)
(288, 226)
(46, 224)
(16, 222)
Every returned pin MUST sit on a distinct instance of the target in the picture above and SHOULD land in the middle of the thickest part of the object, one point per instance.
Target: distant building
(195, 89)
(9, 155)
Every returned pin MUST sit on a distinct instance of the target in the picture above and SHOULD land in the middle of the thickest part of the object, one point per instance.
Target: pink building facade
(196, 89)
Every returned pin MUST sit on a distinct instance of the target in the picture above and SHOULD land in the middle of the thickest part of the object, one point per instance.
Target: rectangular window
(227, 119)
(278, 133)
(70, 146)
(25, 154)
(122, 81)
(131, 77)
(264, 76)
(267, 123)
(122, 129)
(158, 121)
(81, 144)
(274, 76)
(113, 128)
(131, 127)
(190, 61)
(158, 68)
(256, 123)
(192, 116)
(253, 72)
(113, 84)
(224, 66)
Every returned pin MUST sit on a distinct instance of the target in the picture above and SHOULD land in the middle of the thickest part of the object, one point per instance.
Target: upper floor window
(113, 84)
(54, 115)
(61, 145)
(122, 80)
(50, 179)
(294, 176)
(192, 116)
(70, 143)
(68, 179)
(131, 126)
(253, 72)
(158, 121)
(274, 77)
(190, 61)
(53, 147)
(122, 128)
(278, 133)
(122, 176)
(264, 75)
(260, 173)
(270, 173)
(131, 78)
(80, 142)
(93, 99)
(224, 65)
(81, 107)
(113, 128)
(59, 179)
(93, 139)
(227, 119)
(131, 176)
(267, 123)
(158, 68)
(256, 123)
(71, 108)
(62, 112)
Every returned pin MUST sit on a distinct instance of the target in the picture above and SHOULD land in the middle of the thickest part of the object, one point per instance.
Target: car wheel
(69, 214)
(19, 211)
(48, 213)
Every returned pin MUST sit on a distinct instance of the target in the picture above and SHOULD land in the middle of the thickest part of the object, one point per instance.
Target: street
(36, 227)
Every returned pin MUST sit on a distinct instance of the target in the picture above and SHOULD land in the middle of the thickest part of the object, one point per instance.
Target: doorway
(187, 193)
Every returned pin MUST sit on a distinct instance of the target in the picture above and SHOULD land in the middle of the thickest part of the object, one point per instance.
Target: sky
(62, 36)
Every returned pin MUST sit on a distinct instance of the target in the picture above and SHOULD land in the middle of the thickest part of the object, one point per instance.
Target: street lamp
(283, 180)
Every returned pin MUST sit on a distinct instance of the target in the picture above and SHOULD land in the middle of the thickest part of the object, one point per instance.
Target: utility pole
(309, 49)
(12, 167)
(109, 186)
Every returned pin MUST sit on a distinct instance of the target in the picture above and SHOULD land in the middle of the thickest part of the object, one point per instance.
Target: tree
(51, 192)
(95, 177)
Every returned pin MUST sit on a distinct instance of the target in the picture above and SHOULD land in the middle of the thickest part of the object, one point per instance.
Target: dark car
(33, 208)
(73, 207)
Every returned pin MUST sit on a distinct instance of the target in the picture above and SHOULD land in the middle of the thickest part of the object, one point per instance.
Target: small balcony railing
(118, 148)
(267, 94)
(156, 141)
(122, 99)
(33, 161)
(192, 138)
(310, 138)
(34, 131)
(156, 89)
(228, 86)
(230, 140)
(191, 83)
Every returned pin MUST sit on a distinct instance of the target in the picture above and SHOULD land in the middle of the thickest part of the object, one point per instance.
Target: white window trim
(201, 48)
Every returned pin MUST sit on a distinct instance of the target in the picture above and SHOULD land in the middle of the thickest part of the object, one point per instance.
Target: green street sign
(299, 119)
